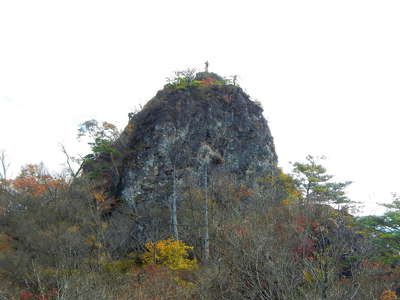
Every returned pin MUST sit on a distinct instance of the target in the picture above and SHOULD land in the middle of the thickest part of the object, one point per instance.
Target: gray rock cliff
(185, 127)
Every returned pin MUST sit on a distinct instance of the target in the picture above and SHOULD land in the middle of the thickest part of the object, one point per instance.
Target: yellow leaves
(308, 277)
(91, 240)
(73, 228)
(285, 183)
(170, 253)
(312, 276)
(388, 295)
(104, 203)
(110, 126)
(184, 283)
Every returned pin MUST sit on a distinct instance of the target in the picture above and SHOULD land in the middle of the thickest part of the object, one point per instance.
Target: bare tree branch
(4, 166)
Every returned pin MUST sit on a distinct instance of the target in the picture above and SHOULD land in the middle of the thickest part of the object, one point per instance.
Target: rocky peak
(189, 125)
(205, 75)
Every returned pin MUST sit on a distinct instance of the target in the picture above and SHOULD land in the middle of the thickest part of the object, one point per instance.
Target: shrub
(170, 253)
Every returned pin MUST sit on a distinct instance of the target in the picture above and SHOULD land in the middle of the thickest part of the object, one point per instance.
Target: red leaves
(302, 223)
(307, 246)
(26, 296)
(207, 81)
(305, 249)
(30, 296)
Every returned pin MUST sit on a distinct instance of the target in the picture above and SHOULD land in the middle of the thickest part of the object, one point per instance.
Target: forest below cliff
(290, 236)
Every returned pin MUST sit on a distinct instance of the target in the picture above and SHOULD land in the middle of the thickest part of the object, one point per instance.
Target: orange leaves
(104, 204)
(5, 242)
(207, 81)
(99, 197)
(242, 193)
(302, 223)
(33, 181)
(388, 295)
(372, 265)
(239, 193)
(29, 186)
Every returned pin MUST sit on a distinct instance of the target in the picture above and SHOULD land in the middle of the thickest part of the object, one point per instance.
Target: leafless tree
(71, 161)
(207, 156)
(4, 166)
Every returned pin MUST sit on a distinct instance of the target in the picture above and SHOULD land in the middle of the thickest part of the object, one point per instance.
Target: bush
(170, 253)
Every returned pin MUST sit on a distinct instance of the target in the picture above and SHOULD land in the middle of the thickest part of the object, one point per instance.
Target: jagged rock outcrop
(185, 127)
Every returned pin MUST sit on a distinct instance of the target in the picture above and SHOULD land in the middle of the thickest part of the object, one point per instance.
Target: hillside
(188, 202)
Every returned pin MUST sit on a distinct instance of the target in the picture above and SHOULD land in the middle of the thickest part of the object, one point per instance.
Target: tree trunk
(173, 208)
(206, 234)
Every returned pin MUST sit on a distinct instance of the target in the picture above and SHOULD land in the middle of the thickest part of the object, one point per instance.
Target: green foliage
(314, 183)
(187, 78)
(104, 158)
(102, 136)
(384, 231)
(118, 266)
(182, 79)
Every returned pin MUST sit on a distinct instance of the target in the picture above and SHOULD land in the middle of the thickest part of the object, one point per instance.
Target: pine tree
(315, 185)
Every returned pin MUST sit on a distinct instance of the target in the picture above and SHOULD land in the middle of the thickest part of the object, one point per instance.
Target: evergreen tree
(385, 232)
(315, 185)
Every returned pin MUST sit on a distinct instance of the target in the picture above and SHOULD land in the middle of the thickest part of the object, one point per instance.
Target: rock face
(186, 130)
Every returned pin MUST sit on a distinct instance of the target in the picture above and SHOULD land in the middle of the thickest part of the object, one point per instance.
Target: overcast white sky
(326, 72)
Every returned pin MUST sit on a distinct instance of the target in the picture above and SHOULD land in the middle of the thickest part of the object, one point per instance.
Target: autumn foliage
(35, 182)
(207, 81)
(260, 248)
(388, 295)
(170, 253)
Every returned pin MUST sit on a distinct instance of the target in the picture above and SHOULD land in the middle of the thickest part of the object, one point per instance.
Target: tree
(171, 253)
(385, 232)
(206, 157)
(103, 137)
(73, 164)
(4, 166)
(182, 78)
(174, 153)
(34, 180)
(315, 185)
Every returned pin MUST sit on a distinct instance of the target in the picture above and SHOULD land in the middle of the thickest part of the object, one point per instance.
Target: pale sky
(326, 72)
